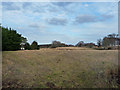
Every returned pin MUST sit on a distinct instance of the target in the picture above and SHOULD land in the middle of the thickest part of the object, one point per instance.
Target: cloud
(36, 7)
(45, 6)
(57, 21)
(106, 17)
(42, 20)
(52, 8)
(85, 19)
(26, 4)
(33, 7)
(92, 18)
(86, 5)
(34, 25)
(39, 26)
(62, 4)
(10, 6)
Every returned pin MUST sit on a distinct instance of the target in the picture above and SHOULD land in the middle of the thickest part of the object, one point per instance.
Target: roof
(22, 43)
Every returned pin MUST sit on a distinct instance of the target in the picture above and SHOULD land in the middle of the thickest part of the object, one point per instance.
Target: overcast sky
(68, 22)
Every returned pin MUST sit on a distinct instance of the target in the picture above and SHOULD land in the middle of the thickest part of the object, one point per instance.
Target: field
(60, 68)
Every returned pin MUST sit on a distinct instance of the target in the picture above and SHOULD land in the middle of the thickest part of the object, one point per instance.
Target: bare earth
(69, 67)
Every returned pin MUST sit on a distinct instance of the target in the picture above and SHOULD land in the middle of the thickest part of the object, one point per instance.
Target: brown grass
(60, 67)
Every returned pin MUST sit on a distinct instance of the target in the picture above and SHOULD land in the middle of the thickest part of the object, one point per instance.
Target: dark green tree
(10, 39)
(27, 46)
(34, 45)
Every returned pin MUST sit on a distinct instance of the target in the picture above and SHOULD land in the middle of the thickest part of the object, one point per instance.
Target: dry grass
(73, 48)
(60, 67)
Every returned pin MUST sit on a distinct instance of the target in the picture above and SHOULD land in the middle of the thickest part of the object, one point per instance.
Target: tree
(89, 45)
(80, 44)
(34, 45)
(111, 40)
(10, 39)
(56, 44)
(27, 46)
(99, 42)
(24, 40)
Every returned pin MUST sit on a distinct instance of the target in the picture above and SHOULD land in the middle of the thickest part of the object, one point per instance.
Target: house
(22, 46)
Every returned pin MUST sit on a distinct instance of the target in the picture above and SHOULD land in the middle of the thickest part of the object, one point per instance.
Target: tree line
(11, 41)
(110, 41)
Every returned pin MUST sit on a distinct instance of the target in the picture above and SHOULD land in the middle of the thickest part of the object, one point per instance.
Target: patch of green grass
(102, 62)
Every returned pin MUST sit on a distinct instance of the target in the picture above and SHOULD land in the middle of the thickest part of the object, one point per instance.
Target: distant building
(22, 46)
(45, 46)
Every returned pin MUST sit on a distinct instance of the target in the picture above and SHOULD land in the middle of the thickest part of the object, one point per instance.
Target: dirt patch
(50, 85)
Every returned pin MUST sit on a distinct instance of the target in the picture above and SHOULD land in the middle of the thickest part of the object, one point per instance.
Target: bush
(99, 48)
(34, 45)
(53, 46)
(109, 48)
(27, 46)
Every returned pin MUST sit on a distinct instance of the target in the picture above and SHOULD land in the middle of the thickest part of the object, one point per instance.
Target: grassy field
(60, 68)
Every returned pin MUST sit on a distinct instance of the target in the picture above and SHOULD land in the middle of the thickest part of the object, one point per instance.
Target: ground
(60, 68)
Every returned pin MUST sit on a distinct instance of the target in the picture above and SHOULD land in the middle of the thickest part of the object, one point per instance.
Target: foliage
(111, 40)
(55, 44)
(34, 45)
(99, 42)
(80, 44)
(58, 44)
(27, 46)
(10, 39)
(89, 45)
